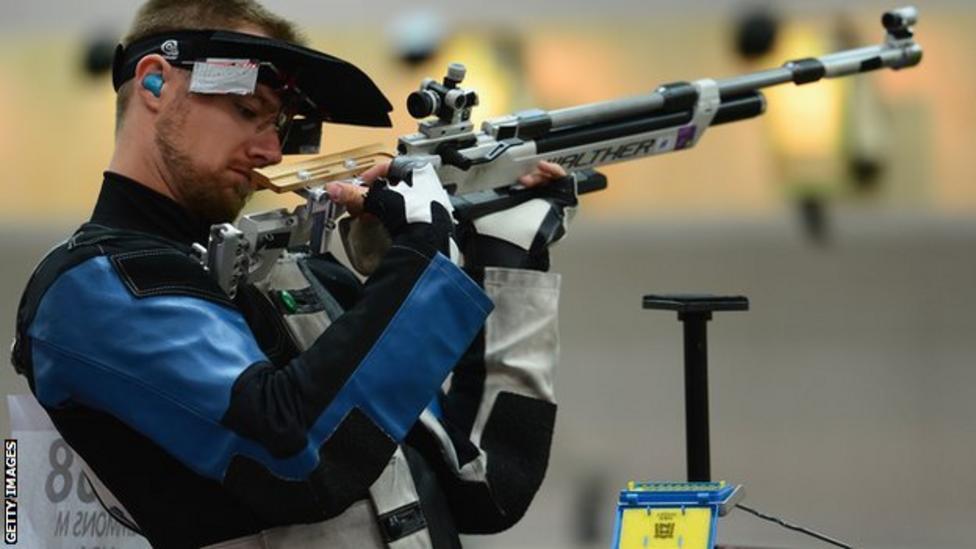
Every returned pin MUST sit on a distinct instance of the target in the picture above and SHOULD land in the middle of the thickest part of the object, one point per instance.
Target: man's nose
(265, 149)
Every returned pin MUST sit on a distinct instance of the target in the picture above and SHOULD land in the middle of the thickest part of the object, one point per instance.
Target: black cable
(794, 527)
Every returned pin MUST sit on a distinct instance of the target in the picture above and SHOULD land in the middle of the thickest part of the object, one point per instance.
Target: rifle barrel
(842, 63)
(593, 113)
(739, 107)
(888, 55)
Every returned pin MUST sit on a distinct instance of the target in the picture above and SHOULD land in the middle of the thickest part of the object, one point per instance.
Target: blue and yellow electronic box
(672, 515)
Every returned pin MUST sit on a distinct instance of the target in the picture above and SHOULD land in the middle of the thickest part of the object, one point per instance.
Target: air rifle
(480, 168)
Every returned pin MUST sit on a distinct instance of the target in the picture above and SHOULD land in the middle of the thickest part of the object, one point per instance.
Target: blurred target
(417, 36)
(97, 53)
(755, 32)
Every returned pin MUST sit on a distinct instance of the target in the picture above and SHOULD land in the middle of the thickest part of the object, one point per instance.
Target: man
(317, 420)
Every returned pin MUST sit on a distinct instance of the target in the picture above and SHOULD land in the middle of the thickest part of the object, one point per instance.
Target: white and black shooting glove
(519, 237)
(417, 208)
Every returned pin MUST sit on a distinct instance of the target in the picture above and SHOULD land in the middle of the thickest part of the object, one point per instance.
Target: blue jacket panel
(167, 365)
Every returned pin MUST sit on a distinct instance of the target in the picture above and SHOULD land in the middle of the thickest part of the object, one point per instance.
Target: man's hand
(520, 237)
(543, 174)
(352, 195)
(419, 209)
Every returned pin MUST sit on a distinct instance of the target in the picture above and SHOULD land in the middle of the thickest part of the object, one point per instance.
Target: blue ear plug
(153, 83)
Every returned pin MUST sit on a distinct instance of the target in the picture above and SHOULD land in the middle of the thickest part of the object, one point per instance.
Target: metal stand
(694, 311)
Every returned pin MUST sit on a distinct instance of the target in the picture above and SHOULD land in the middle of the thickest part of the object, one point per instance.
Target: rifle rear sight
(450, 103)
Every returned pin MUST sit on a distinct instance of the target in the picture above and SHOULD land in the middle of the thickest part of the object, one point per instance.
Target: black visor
(330, 89)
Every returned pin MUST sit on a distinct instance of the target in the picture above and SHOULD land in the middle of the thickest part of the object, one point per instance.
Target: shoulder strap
(93, 234)
(148, 264)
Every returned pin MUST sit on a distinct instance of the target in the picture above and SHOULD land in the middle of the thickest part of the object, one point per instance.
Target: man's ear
(153, 72)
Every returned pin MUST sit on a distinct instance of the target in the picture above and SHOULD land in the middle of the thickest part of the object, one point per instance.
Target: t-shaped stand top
(695, 310)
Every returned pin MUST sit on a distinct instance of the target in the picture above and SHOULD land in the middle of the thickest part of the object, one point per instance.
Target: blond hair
(160, 16)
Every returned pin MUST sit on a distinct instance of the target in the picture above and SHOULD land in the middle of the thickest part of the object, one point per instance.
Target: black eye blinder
(298, 125)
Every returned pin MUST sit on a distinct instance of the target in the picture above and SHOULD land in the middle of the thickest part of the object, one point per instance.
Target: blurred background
(847, 214)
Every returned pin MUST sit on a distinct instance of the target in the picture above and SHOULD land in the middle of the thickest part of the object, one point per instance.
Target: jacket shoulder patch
(166, 271)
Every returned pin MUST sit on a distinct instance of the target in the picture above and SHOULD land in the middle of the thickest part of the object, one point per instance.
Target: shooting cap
(314, 85)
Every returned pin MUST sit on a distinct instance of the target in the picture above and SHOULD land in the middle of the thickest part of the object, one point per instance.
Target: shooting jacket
(311, 409)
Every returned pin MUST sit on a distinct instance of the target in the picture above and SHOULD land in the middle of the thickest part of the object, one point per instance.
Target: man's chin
(240, 202)
(227, 206)
(217, 211)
